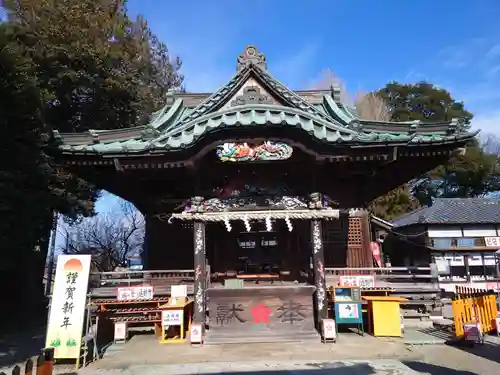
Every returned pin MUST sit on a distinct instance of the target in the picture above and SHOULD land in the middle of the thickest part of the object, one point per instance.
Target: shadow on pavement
(22, 338)
(318, 368)
(489, 350)
(434, 369)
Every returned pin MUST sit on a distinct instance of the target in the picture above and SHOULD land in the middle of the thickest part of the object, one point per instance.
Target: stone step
(215, 339)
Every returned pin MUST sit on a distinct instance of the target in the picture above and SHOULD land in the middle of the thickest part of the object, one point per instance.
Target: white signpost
(67, 307)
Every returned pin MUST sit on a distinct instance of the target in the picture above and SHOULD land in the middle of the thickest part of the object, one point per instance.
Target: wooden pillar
(319, 271)
(467, 268)
(200, 274)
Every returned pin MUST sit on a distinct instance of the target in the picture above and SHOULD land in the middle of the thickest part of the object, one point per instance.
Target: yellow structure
(383, 315)
(474, 306)
(176, 333)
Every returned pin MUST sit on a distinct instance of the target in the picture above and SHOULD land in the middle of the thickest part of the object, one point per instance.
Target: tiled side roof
(453, 211)
(187, 117)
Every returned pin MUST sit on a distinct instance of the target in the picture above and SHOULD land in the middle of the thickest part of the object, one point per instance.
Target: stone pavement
(351, 355)
(376, 367)
(145, 350)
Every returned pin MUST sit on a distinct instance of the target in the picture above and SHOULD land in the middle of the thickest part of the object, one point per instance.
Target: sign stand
(348, 307)
(329, 331)
(196, 334)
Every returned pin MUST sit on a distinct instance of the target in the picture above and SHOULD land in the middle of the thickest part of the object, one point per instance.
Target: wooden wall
(170, 246)
(346, 241)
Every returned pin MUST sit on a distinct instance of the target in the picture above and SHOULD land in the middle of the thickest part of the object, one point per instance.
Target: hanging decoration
(288, 224)
(227, 223)
(269, 225)
(267, 151)
(247, 223)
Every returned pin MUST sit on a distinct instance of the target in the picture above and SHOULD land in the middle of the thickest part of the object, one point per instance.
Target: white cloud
(488, 122)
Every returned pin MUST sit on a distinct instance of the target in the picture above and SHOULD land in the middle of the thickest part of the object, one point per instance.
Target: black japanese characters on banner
(68, 305)
(225, 314)
(291, 312)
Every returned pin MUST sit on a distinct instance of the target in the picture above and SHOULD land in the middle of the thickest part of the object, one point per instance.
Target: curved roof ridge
(167, 113)
(332, 106)
(249, 107)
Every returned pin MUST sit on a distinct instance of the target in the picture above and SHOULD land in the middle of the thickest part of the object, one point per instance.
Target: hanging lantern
(227, 223)
(247, 224)
(288, 224)
(269, 224)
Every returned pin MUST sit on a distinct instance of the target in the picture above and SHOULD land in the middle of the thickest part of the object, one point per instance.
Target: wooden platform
(261, 314)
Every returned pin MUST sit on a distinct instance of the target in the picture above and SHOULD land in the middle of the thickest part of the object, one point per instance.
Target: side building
(460, 235)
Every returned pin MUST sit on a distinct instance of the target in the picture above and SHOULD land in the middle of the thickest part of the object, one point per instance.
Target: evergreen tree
(474, 173)
(70, 65)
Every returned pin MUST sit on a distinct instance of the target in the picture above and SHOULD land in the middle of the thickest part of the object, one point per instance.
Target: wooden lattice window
(355, 237)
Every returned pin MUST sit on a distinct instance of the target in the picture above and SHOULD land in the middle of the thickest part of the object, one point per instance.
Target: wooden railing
(104, 284)
(389, 276)
(44, 365)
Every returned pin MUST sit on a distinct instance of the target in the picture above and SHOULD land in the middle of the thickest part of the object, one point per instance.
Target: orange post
(48, 362)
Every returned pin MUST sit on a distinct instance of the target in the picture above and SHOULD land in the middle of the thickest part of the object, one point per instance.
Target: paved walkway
(351, 355)
(376, 367)
(145, 350)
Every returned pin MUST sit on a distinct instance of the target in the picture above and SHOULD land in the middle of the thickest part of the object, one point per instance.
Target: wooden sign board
(362, 281)
(134, 293)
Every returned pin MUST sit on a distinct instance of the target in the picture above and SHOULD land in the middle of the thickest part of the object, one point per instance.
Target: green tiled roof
(178, 126)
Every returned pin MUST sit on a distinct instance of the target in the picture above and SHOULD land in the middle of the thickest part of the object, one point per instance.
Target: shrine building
(260, 183)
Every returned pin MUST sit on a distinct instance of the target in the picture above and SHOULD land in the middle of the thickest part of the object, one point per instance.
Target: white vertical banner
(67, 308)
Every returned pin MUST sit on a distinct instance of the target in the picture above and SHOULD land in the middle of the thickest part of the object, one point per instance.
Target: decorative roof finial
(251, 56)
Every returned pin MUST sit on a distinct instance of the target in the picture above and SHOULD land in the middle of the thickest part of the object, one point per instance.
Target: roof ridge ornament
(251, 56)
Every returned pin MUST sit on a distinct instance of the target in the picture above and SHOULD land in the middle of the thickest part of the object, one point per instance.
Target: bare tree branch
(370, 106)
(328, 80)
(110, 238)
(490, 143)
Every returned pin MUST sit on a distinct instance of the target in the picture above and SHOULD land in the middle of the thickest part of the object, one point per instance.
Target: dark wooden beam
(200, 274)
(319, 271)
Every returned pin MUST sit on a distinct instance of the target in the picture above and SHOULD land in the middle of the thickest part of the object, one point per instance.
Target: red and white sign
(473, 332)
(196, 334)
(362, 281)
(377, 256)
(134, 293)
(120, 331)
(492, 242)
(329, 329)
(497, 324)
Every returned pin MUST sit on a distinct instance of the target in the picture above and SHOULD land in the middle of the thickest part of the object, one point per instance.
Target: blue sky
(454, 44)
